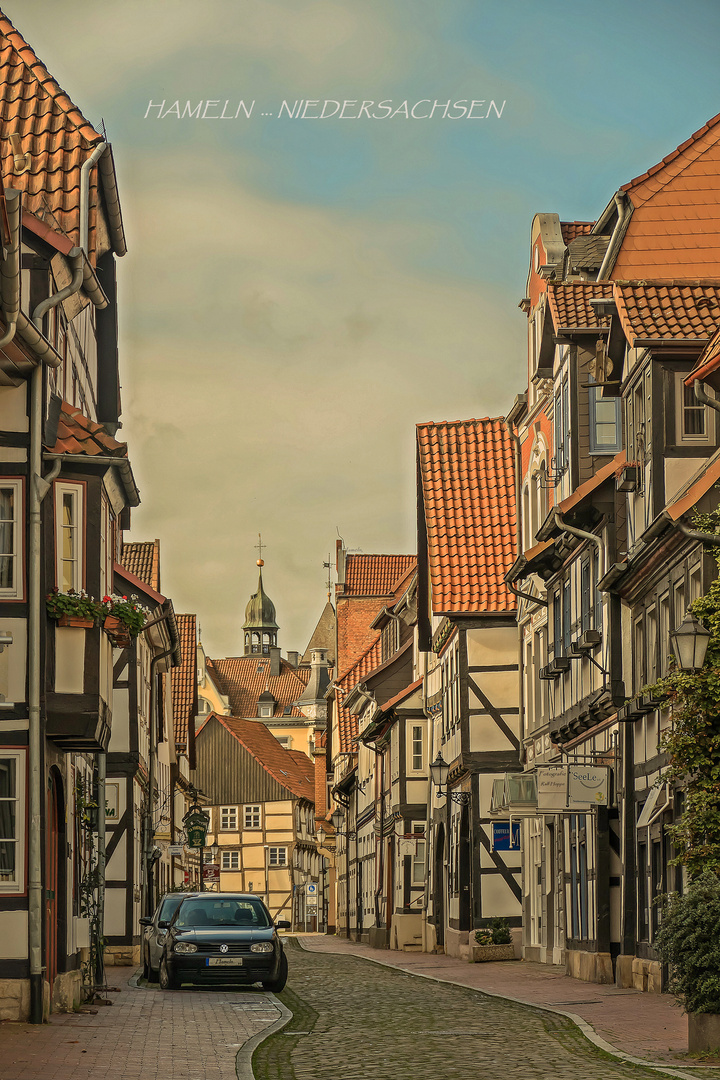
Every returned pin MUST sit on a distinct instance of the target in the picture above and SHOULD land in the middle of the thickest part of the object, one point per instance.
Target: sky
(301, 290)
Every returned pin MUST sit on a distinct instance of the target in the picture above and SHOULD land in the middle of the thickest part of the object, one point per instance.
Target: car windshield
(168, 907)
(208, 913)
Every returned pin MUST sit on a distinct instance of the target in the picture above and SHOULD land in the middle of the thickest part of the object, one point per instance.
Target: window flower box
(124, 618)
(73, 608)
(76, 620)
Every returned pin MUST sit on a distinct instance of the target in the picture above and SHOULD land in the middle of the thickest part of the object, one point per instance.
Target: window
(10, 540)
(12, 821)
(586, 595)
(265, 710)
(252, 817)
(557, 625)
(231, 860)
(693, 424)
(567, 617)
(416, 756)
(418, 862)
(277, 856)
(605, 423)
(68, 536)
(228, 817)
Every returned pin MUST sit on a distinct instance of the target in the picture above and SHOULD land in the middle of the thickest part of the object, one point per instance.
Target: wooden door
(51, 883)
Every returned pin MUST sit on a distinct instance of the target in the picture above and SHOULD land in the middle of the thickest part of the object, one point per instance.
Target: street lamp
(337, 818)
(439, 772)
(690, 643)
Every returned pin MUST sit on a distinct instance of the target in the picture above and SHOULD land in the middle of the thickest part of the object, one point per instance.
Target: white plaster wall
(69, 659)
(490, 648)
(13, 935)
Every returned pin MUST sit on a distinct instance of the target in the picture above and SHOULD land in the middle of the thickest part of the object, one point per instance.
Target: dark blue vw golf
(222, 938)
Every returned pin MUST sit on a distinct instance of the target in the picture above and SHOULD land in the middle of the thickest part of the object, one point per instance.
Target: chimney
(293, 659)
(274, 660)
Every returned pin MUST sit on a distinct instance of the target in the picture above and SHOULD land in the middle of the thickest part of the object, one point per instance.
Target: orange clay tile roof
(54, 141)
(468, 490)
(668, 309)
(78, 435)
(143, 560)
(244, 678)
(708, 362)
(347, 724)
(184, 680)
(571, 229)
(674, 230)
(570, 304)
(284, 766)
(376, 575)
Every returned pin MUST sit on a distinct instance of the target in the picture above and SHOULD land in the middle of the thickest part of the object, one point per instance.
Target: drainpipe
(583, 535)
(85, 194)
(10, 272)
(695, 534)
(703, 397)
(624, 209)
(148, 832)
(38, 489)
(99, 973)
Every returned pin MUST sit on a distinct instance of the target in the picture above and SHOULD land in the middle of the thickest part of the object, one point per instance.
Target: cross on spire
(259, 547)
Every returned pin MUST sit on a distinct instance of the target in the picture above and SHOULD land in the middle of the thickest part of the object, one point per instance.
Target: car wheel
(168, 981)
(278, 984)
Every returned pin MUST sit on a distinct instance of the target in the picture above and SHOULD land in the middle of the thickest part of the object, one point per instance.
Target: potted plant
(689, 941)
(124, 618)
(73, 608)
(494, 942)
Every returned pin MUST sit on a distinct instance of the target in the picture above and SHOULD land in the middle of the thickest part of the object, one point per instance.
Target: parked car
(222, 938)
(155, 933)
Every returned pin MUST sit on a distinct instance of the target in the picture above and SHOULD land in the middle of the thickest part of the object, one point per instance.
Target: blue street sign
(501, 836)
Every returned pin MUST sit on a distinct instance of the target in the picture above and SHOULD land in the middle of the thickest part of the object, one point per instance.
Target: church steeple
(260, 626)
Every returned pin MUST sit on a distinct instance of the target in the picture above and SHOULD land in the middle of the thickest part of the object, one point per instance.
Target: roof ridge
(673, 155)
(32, 61)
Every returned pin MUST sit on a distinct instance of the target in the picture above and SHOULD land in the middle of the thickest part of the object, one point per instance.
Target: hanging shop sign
(506, 836)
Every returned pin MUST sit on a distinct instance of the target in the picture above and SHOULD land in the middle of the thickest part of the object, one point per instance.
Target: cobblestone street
(356, 1019)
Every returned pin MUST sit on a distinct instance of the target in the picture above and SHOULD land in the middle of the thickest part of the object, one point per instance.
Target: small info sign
(571, 787)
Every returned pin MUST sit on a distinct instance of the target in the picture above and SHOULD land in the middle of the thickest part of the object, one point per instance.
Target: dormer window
(266, 705)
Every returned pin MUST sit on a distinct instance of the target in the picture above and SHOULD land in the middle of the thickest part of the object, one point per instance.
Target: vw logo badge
(223, 948)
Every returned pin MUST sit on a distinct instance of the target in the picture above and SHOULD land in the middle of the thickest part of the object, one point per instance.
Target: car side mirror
(163, 924)
(282, 924)
(145, 921)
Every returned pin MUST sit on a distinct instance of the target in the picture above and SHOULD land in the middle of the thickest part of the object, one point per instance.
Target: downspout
(85, 195)
(583, 535)
(624, 209)
(704, 398)
(10, 273)
(147, 905)
(39, 486)
(99, 973)
(518, 519)
(38, 489)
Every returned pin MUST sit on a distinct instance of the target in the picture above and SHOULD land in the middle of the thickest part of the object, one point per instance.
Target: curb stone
(586, 1029)
(243, 1061)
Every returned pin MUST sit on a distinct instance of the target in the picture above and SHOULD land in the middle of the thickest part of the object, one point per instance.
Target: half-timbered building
(467, 629)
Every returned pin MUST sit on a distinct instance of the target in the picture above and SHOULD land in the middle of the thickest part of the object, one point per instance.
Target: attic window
(287, 710)
(265, 710)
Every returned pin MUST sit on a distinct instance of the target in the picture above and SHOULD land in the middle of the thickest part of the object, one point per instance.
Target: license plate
(224, 961)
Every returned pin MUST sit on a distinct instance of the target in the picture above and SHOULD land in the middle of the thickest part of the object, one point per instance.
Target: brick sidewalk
(146, 1034)
(648, 1026)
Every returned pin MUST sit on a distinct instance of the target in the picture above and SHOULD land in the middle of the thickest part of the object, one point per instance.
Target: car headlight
(185, 947)
(262, 946)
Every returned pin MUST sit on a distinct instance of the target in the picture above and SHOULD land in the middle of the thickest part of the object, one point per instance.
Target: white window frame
(17, 887)
(78, 492)
(16, 590)
(707, 437)
(228, 819)
(230, 860)
(411, 728)
(417, 871)
(277, 864)
(252, 813)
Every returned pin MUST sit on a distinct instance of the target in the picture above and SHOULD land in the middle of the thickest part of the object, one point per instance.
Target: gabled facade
(66, 492)
(467, 630)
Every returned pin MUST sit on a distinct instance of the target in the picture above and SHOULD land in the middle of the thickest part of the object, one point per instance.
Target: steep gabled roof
(323, 636)
(709, 361)
(674, 230)
(244, 678)
(467, 475)
(53, 139)
(668, 309)
(376, 575)
(142, 558)
(347, 724)
(291, 769)
(570, 304)
(184, 680)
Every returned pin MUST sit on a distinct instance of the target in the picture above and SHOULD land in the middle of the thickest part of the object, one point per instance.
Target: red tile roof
(347, 723)
(54, 139)
(78, 435)
(571, 229)
(184, 680)
(376, 575)
(668, 309)
(143, 560)
(244, 678)
(292, 769)
(674, 230)
(468, 490)
(708, 362)
(570, 304)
